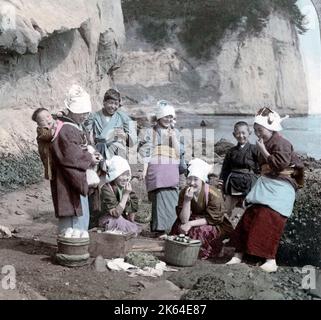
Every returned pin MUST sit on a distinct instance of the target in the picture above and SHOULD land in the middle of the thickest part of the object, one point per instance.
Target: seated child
(240, 166)
(47, 129)
(270, 202)
(118, 202)
(201, 211)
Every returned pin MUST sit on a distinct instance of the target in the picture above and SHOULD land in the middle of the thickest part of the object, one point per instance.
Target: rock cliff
(246, 72)
(44, 48)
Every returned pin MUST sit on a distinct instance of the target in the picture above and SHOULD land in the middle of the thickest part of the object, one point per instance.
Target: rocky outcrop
(44, 49)
(247, 72)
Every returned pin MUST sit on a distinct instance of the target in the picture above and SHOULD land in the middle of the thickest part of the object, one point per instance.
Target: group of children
(260, 178)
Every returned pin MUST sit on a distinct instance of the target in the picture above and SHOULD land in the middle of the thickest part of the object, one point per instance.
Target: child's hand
(184, 228)
(120, 134)
(189, 194)
(114, 213)
(260, 144)
(262, 149)
(95, 159)
(128, 188)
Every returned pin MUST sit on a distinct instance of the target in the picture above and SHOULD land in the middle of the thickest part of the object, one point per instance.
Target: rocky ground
(28, 213)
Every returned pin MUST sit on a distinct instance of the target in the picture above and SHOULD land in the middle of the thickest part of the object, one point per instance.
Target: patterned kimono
(103, 127)
(209, 205)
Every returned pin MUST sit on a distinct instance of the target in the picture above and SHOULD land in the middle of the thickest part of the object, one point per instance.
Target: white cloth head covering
(115, 167)
(164, 109)
(199, 168)
(271, 122)
(78, 100)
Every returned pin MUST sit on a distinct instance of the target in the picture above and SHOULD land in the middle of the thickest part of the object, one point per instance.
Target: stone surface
(265, 69)
(44, 49)
(160, 290)
(100, 264)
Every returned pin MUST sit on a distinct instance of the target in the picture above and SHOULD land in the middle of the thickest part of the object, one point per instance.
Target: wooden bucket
(72, 252)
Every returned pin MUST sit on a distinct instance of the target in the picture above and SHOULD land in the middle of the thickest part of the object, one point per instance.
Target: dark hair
(241, 124)
(36, 112)
(265, 111)
(112, 94)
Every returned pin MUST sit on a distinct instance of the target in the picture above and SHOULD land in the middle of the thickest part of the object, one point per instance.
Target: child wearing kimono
(239, 170)
(70, 162)
(201, 211)
(161, 150)
(270, 202)
(112, 130)
(47, 129)
(118, 201)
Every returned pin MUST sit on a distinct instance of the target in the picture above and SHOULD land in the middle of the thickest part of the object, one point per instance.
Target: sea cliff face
(247, 71)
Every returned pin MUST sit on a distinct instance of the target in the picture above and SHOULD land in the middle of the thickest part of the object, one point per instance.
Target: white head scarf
(199, 168)
(271, 122)
(164, 109)
(115, 167)
(78, 100)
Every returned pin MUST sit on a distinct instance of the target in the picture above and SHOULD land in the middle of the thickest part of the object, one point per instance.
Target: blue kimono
(102, 128)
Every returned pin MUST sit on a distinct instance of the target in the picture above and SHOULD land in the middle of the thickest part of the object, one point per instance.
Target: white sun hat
(78, 100)
(199, 168)
(115, 167)
(164, 109)
(272, 121)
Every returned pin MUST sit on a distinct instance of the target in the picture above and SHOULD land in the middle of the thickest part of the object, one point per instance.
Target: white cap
(271, 122)
(115, 167)
(164, 109)
(78, 100)
(199, 168)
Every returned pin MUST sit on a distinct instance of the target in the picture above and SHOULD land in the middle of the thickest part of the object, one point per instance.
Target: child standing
(118, 202)
(270, 202)
(161, 150)
(240, 166)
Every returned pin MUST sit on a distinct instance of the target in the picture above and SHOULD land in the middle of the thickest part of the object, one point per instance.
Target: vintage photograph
(160, 150)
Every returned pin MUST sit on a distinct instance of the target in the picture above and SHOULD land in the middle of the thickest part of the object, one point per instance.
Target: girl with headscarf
(270, 202)
(70, 162)
(118, 201)
(200, 211)
(161, 150)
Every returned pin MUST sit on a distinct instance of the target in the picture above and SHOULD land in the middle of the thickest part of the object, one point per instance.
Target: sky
(310, 46)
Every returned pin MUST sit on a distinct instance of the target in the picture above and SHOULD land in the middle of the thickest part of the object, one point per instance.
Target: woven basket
(181, 254)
